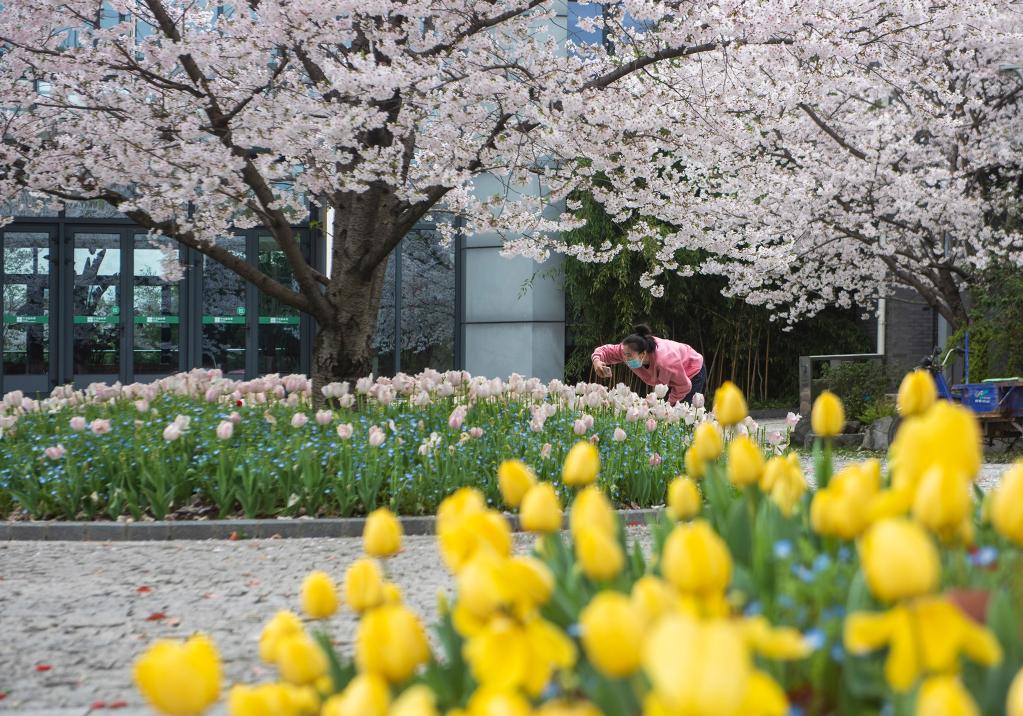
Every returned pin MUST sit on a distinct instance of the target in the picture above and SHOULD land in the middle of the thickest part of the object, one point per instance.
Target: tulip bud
(514, 479)
(319, 595)
(581, 465)
(899, 560)
(1007, 506)
(391, 641)
(179, 677)
(611, 634)
(479, 589)
(541, 509)
(417, 700)
(1014, 702)
(828, 416)
(729, 404)
(652, 597)
(300, 659)
(683, 498)
(591, 508)
(745, 463)
(707, 442)
(366, 695)
(917, 393)
(598, 553)
(696, 561)
(364, 585)
(942, 500)
(381, 536)
(283, 624)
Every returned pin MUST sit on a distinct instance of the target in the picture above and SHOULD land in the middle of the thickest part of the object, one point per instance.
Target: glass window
(156, 304)
(96, 305)
(26, 303)
(279, 329)
(24, 204)
(223, 312)
(383, 340)
(427, 303)
(94, 209)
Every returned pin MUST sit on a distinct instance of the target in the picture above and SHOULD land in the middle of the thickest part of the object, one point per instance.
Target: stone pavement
(75, 615)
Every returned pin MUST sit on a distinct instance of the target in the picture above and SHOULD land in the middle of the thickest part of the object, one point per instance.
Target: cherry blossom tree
(817, 150)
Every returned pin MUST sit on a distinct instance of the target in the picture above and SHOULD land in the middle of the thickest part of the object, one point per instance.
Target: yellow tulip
(392, 593)
(843, 508)
(494, 702)
(526, 583)
(943, 501)
(272, 700)
(300, 659)
(783, 481)
(364, 585)
(945, 695)
(764, 697)
(899, 560)
(319, 595)
(591, 508)
(416, 700)
(381, 536)
(179, 678)
(695, 467)
(514, 480)
(745, 463)
(479, 588)
(566, 708)
(828, 416)
(460, 504)
(283, 624)
(652, 598)
(1006, 505)
(612, 631)
(695, 560)
(460, 539)
(390, 641)
(683, 498)
(926, 636)
(774, 643)
(947, 434)
(507, 655)
(581, 465)
(598, 553)
(917, 393)
(541, 509)
(1014, 700)
(707, 444)
(729, 404)
(365, 695)
(697, 666)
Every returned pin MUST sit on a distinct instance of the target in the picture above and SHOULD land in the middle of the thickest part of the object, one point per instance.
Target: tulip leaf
(738, 533)
(1005, 625)
(340, 674)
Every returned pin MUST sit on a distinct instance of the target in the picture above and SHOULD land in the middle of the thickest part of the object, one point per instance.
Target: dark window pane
(157, 311)
(223, 312)
(26, 303)
(427, 303)
(96, 303)
(279, 330)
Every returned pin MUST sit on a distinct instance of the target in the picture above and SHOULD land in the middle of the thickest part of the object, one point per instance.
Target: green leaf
(340, 674)
(738, 533)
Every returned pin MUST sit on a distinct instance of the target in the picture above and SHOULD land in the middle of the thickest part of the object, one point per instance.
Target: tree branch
(831, 132)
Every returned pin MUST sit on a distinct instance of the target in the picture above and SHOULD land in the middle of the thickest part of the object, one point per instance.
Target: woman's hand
(602, 371)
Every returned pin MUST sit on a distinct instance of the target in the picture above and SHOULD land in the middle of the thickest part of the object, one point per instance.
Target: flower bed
(897, 594)
(199, 445)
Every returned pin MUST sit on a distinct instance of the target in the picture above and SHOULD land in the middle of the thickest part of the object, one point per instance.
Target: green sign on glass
(38, 320)
(109, 320)
(216, 320)
(160, 320)
(240, 310)
(278, 320)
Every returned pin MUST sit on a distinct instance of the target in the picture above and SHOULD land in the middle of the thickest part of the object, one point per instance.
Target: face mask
(634, 363)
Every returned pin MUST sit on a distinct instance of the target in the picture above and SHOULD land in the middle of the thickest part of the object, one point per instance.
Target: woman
(656, 361)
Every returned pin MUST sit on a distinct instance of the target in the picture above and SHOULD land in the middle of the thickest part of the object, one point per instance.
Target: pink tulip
(235, 417)
(345, 431)
(698, 400)
(545, 451)
(78, 423)
(211, 395)
(457, 417)
(324, 417)
(579, 427)
(651, 425)
(775, 437)
(171, 432)
(792, 419)
(376, 436)
(655, 460)
(588, 421)
(476, 433)
(619, 435)
(55, 452)
(142, 406)
(225, 430)
(100, 427)
(299, 420)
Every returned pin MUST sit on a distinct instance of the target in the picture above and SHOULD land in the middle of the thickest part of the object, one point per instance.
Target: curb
(241, 529)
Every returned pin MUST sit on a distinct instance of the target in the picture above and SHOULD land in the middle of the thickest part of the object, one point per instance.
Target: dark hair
(641, 339)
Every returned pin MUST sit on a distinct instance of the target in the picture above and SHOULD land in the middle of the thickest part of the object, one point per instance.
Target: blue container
(981, 397)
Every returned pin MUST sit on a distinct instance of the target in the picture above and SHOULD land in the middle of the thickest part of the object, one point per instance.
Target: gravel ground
(75, 615)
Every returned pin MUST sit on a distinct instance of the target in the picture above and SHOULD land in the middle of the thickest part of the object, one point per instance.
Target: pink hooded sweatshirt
(672, 364)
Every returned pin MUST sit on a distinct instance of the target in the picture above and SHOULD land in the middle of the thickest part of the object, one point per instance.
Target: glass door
(28, 290)
(156, 303)
(97, 322)
(224, 323)
(280, 331)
